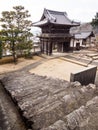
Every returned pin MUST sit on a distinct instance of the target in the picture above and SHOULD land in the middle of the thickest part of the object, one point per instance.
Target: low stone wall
(85, 76)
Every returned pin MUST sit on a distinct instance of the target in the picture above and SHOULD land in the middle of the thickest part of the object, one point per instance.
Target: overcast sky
(80, 10)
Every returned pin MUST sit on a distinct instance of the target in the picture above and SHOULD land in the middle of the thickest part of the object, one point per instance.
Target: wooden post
(62, 50)
(47, 47)
(73, 44)
(43, 46)
(50, 48)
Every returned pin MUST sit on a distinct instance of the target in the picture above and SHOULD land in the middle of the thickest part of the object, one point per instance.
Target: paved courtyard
(57, 68)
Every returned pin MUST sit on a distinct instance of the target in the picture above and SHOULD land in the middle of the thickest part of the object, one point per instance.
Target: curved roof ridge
(51, 17)
(67, 18)
(60, 12)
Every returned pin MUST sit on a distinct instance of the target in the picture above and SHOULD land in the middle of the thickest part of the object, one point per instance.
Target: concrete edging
(75, 62)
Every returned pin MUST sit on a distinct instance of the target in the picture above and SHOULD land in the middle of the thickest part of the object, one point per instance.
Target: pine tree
(15, 28)
(0, 49)
(95, 21)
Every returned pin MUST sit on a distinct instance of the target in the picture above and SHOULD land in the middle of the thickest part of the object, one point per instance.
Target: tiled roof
(83, 35)
(84, 27)
(55, 17)
(43, 22)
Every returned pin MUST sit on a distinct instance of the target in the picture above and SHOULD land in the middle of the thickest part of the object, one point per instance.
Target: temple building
(55, 28)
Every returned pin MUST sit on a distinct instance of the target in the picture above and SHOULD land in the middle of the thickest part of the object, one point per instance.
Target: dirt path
(9, 116)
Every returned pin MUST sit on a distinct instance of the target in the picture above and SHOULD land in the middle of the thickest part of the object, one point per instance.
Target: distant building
(55, 31)
(83, 39)
(84, 36)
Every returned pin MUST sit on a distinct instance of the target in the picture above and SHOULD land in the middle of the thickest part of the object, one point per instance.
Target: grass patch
(8, 59)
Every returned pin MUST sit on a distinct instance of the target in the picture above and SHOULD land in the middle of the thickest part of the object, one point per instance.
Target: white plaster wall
(74, 42)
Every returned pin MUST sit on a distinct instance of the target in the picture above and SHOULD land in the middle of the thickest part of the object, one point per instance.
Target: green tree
(15, 28)
(0, 49)
(95, 21)
(25, 45)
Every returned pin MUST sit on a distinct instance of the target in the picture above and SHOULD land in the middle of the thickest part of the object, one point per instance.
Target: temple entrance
(78, 46)
(66, 46)
(63, 47)
(49, 46)
(55, 27)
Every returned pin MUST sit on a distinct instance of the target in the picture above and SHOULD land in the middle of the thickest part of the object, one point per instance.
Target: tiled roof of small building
(55, 17)
(83, 35)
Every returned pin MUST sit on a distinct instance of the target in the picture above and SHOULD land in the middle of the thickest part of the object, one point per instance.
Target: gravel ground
(57, 68)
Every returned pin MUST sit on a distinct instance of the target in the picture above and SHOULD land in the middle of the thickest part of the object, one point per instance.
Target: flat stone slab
(92, 55)
(95, 57)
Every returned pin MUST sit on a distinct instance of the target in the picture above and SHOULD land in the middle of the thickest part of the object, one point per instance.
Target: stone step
(42, 100)
(74, 61)
(83, 118)
(92, 55)
(95, 58)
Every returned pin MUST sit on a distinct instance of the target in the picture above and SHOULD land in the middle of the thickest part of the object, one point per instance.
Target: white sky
(81, 10)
